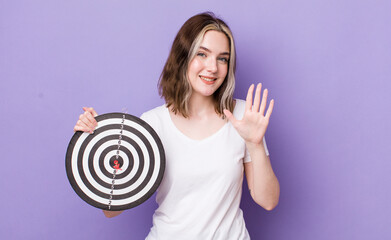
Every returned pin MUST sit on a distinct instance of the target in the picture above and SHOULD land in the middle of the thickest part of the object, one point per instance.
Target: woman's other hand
(86, 122)
(253, 126)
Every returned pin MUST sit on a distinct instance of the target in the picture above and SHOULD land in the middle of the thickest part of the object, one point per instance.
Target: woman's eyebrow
(206, 49)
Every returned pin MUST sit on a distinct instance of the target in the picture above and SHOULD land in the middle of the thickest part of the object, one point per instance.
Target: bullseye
(116, 163)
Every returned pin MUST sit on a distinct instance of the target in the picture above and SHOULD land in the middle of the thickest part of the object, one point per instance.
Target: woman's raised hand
(253, 126)
(86, 122)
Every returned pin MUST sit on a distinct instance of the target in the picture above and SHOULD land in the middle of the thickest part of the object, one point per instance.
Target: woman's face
(207, 70)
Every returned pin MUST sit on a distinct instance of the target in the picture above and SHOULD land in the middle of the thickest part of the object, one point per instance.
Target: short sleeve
(151, 118)
(247, 157)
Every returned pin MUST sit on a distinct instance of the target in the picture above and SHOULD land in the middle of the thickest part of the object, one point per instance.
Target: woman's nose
(211, 65)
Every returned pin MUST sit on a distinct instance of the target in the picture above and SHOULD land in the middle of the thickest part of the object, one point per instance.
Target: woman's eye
(225, 60)
(201, 54)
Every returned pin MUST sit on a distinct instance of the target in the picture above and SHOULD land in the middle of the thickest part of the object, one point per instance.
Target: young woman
(209, 138)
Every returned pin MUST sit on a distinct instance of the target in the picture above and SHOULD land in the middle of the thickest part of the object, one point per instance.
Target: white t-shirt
(200, 193)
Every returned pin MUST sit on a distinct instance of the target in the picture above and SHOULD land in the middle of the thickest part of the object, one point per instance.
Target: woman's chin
(207, 93)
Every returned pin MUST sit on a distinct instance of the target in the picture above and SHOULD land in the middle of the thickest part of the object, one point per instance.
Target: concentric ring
(91, 160)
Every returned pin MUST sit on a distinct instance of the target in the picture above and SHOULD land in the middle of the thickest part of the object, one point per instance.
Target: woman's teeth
(208, 79)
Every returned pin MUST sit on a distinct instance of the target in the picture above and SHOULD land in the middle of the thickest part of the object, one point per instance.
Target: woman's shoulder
(240, 106)
(154, 116)
(154, 111)
(240, 103)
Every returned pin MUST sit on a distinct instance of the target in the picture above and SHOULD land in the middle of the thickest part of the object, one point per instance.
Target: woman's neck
(200, 106)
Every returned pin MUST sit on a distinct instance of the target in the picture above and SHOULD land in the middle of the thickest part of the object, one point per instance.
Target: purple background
(327, 64)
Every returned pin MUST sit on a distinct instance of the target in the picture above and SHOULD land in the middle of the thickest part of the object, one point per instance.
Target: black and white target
(92, 158)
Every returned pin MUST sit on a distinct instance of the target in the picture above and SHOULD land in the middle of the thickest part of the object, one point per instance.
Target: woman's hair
(174, 85)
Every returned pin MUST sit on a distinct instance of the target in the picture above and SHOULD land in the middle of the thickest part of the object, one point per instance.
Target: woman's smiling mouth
(208, 80)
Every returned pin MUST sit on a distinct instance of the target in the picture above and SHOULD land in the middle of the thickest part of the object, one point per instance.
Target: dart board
(117, 167)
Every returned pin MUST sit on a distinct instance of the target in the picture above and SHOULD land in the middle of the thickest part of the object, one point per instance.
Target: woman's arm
(261, 180)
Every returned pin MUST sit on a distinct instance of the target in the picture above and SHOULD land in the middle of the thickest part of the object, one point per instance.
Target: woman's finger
(94, 113)
(86, 122)
(270, 109)
(230, 117)
(79, 128)
(91, 110)
(264, 101)
(82, 126)
(257, 98)
(249, 98)
(90, 118)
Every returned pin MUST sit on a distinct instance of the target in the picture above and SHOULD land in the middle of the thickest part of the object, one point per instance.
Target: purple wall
(327, 64)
